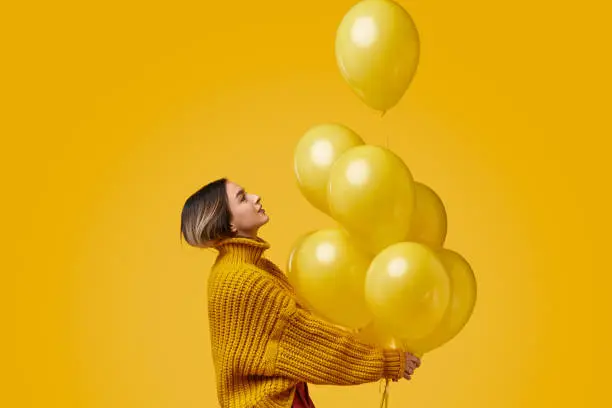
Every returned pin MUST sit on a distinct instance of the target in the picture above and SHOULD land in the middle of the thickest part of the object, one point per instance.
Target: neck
(242, 249)
(251, 235)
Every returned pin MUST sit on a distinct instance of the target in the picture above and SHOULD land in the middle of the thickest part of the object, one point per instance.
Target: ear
(233, 228)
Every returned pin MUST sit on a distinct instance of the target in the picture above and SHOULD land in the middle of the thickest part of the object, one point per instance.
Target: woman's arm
(305, 347)
(313, 350)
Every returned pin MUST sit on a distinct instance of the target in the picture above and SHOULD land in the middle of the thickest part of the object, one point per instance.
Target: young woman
(266, 346)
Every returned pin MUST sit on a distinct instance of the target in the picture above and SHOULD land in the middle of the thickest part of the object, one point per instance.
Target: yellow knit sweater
(264, 341)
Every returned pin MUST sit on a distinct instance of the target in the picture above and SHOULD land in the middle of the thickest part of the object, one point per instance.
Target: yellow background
(115, 112)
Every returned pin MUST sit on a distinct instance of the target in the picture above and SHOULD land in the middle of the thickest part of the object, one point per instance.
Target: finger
(414, 359)
(408, 374)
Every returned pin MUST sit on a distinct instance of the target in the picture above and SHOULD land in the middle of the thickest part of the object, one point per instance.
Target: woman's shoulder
(267, 265)
(236, 277)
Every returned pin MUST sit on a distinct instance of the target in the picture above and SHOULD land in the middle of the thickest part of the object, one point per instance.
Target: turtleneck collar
(242, 249)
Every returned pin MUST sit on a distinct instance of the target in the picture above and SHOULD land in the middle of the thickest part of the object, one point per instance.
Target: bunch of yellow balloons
(383, 271)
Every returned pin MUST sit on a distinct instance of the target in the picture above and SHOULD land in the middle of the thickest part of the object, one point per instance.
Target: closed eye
(241, 195)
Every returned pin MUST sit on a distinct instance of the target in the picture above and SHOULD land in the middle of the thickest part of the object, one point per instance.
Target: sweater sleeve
(305, 347)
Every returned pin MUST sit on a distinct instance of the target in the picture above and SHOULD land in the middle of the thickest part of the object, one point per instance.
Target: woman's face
(247, 213)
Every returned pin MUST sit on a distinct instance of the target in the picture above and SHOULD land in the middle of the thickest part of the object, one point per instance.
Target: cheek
(243, 215)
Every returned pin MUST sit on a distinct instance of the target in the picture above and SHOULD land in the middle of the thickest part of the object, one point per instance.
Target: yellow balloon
(408, 290)
(328, 271)
(377, 51)
(461, 306)
(373, 334)
(429, 222)
(371, 194)
(291, 270)
(378, 336)
(314, 155)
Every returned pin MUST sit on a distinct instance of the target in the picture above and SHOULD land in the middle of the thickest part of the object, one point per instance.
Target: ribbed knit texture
(264, 341)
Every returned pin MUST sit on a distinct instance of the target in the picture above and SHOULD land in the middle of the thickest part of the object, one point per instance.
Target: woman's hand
(412, 363)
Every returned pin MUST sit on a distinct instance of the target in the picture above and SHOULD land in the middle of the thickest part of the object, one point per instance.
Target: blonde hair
(206, 216)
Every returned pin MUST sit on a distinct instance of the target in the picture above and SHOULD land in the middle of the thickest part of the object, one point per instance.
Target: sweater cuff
(395, 364)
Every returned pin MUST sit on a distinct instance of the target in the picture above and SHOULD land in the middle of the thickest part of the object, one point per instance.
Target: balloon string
(384, 402)
(382, 114)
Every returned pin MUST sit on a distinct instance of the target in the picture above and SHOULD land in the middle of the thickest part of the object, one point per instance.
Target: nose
(256, 198)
